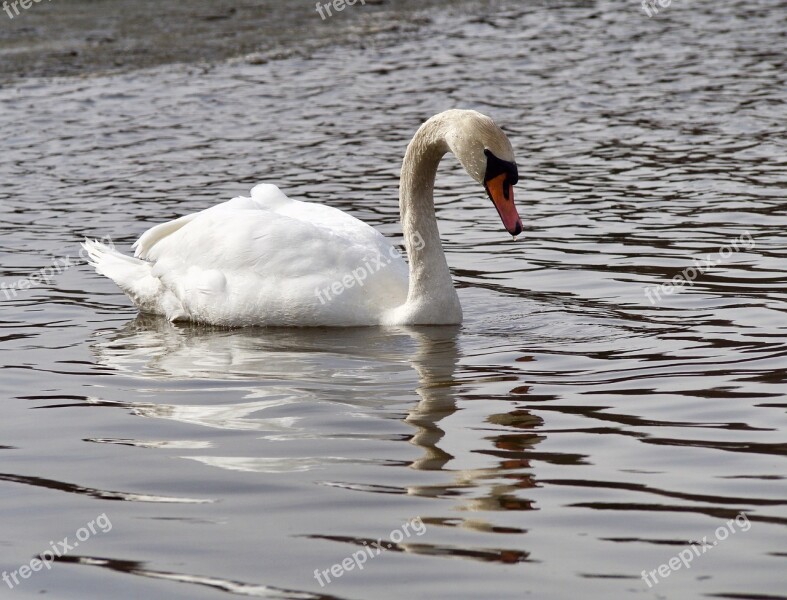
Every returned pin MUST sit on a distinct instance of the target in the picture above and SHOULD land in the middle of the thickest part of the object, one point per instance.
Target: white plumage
(264, 260)
(269, 260)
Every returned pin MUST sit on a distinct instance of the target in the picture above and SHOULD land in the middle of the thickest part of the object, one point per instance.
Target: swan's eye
(495, 167)
(500, 176)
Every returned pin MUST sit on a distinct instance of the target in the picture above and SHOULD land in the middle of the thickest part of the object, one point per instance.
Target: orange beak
(502, 194)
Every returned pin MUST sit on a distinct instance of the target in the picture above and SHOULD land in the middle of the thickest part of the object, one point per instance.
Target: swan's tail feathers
(133, 276)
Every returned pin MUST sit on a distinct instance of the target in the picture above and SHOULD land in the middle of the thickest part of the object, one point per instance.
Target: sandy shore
(78, 37)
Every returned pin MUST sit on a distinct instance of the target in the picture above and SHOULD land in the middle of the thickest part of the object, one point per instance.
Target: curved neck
(431, 287)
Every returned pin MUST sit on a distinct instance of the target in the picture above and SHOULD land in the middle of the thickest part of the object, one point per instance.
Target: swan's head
(487, 156)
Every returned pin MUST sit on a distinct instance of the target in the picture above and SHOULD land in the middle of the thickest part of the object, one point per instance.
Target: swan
(268, 260)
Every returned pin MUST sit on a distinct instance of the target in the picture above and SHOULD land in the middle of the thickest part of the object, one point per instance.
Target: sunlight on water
(573, 432)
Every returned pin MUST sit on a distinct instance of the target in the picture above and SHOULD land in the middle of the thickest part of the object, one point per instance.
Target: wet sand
(72, 38)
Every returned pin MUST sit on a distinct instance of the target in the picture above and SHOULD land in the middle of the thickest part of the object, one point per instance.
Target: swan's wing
(255, 261)
(264, 197)
(269, 197)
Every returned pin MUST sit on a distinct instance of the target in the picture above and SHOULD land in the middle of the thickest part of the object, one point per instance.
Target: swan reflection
(291, 382)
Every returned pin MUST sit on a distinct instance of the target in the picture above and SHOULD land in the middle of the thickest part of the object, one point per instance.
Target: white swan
(270, 260)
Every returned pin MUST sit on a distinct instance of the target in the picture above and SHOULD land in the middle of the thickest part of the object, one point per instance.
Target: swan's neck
(431, 296)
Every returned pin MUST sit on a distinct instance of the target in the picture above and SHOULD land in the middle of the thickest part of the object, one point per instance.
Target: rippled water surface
(569, 435)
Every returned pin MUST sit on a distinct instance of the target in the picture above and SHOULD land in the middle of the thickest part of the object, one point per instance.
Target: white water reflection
(292, 371)
(279, 367)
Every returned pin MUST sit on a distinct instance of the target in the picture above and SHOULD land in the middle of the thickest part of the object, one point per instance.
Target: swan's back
(265, 260)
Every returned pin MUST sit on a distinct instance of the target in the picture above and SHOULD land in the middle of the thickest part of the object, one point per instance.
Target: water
(569, 435)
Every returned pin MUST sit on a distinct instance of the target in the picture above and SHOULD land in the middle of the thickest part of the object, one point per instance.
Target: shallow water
(569, 435)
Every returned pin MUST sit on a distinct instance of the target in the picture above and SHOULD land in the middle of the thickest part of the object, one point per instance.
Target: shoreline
(85, 37)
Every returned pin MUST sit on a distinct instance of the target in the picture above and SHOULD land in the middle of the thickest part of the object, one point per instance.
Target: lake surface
(584, 424)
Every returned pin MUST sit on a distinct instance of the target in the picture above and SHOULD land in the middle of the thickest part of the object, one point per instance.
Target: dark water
(569, 435)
